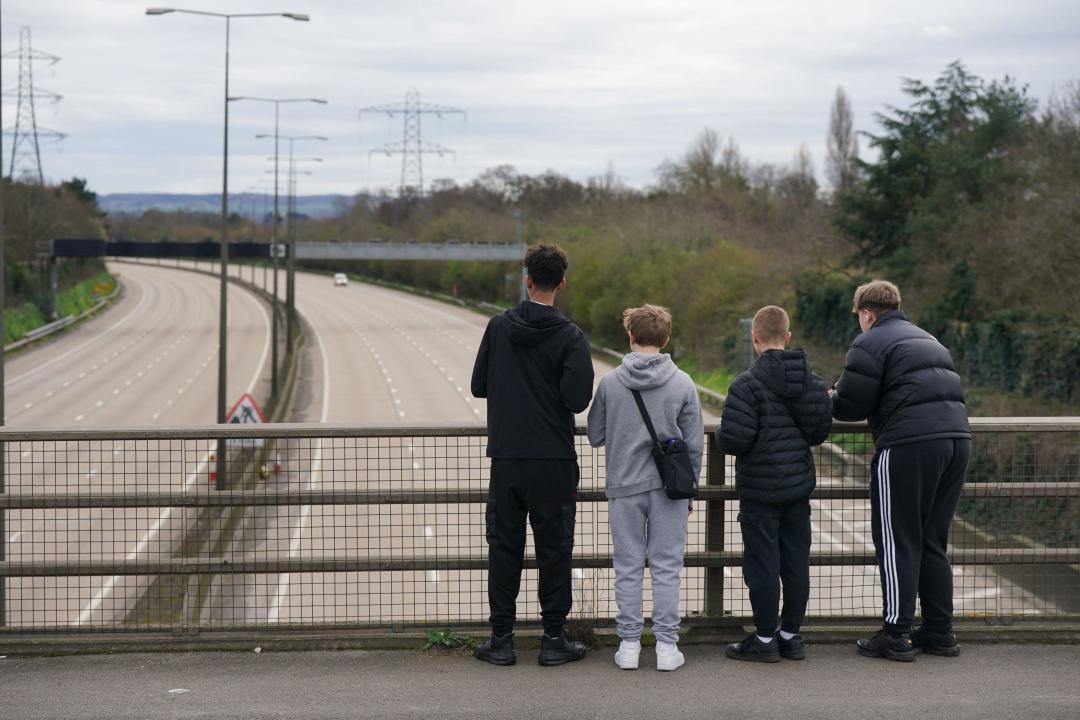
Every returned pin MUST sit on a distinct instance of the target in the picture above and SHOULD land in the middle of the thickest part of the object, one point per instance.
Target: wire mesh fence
(310, 525)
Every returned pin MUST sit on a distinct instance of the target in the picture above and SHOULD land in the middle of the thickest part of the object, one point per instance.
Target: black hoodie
(769, 440)
(536, 372)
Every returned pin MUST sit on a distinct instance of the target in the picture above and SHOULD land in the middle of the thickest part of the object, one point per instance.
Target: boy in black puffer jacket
(774, 413)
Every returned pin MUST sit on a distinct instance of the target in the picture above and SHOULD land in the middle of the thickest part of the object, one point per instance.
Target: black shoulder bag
(672, 461)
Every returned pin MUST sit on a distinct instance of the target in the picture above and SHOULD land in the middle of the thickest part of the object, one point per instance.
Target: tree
(842, 146)
(939, 158)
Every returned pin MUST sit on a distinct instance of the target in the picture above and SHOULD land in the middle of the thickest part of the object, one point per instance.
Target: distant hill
(317, 206)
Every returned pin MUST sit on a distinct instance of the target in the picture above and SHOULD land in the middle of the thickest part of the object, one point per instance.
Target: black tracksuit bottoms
(913, 496)
(776, 548)
(545, 492)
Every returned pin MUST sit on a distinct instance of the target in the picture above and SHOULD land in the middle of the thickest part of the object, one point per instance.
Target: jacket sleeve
(859, 387)
(597, 430)
(576, 385)
(739, 421)
(692, 427)
(817, 420)
(480, 367)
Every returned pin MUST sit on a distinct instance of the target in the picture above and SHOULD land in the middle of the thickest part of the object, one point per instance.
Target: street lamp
(223, 355)
(223, 364)
(290, 275)
(277, 113)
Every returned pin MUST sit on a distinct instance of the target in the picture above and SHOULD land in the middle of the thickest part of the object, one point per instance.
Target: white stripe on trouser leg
(892, 600)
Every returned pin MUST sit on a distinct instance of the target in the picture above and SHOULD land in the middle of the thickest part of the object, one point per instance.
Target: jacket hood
(785, 372)
(641, 371)
(531, 323)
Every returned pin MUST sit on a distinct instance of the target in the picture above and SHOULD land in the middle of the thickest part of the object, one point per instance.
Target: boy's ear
(665, 343)
(787, 338)
(562, 283)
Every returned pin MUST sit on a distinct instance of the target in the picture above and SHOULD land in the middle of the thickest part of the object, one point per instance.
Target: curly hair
(546, 265)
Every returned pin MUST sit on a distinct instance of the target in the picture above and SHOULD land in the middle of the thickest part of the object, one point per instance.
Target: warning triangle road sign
(245, 411)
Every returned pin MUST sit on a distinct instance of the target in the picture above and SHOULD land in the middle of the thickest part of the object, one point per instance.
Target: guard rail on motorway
(330, 526)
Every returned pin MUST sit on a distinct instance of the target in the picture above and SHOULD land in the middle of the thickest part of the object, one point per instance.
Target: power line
(412, 147)
(26, 133)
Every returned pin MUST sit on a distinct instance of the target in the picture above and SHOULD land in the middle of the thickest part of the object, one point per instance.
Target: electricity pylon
(412, 147)
(26, 133)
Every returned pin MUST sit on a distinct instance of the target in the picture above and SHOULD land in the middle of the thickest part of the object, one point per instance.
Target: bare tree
(841, 144)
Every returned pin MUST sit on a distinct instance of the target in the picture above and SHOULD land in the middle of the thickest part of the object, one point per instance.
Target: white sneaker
(668, 657)
(628, 653)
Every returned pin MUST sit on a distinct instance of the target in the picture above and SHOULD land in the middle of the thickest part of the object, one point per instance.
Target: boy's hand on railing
(689, 507)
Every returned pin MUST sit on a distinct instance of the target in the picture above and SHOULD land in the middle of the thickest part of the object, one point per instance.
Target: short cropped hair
(877, 296)
(546, 265)
(649, 324)
(771, 324)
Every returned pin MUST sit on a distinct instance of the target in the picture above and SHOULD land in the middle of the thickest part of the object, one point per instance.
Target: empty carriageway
(150, 359)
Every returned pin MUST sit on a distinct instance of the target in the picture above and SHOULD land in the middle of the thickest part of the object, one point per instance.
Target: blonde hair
(876, 295)
(649, 324)
(771, 324)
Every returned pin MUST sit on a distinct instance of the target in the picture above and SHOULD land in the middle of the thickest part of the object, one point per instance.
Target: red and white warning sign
(246, 411)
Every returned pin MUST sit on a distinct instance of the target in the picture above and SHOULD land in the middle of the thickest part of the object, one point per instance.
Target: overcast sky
(568, 85)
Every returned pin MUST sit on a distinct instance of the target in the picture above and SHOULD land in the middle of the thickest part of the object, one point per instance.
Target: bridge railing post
(715, 476)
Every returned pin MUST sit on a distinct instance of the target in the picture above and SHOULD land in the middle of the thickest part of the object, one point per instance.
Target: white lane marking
(28, 405)
(27, 453)
(99, 597)
(78, 418)
(107, 587)
(99, 403)
(982, 594)
(305, 512)
(95, 338)
(429, 532)
(15, 537)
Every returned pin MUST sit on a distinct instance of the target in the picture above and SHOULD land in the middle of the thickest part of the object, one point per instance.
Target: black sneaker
(559, 650)
(497, 650)
(754, 650)
(887, 646)
(792, 649)
(926, 641)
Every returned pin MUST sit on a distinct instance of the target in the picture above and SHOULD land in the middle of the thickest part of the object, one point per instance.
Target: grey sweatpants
(648, 524)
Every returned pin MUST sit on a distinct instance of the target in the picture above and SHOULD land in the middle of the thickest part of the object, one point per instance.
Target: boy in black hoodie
(774, 413)
(535, 369)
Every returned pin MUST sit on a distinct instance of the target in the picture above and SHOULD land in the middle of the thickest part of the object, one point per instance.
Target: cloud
(564, 84)
(940, 32)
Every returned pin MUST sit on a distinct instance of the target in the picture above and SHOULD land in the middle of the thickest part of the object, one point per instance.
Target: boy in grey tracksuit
(644, 522)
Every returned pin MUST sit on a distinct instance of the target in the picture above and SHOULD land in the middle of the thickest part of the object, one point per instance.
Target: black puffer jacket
(535, 369)
(771, 445)
(902, 379)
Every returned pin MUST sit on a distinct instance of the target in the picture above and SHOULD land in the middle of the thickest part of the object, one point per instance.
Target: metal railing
(321, 525)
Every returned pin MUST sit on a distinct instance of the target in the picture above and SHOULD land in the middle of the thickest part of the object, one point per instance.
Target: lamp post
(222, 397)
(290, 265)
(223, 320)
(273, 252)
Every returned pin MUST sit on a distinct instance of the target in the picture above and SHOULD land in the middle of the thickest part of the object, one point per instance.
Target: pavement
(987, 681)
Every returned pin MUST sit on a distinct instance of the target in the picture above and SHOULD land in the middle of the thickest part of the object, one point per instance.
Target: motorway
(150, 359)
(373, 357)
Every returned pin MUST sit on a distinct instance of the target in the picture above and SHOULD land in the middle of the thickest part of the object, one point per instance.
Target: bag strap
(645, 416)
(795, 419)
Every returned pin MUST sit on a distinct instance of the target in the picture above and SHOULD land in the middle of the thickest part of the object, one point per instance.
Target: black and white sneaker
(926, 641)
(884, 645)
(497, 650)
(754, 650)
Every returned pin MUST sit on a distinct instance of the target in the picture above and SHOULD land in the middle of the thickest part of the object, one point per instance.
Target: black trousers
(913, 496)
(776, 549)
(545, 493)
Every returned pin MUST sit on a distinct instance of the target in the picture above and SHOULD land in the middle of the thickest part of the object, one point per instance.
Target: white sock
(784, 634)
(765, 640)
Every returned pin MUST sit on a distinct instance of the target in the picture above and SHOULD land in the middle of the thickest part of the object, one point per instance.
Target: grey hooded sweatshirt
(615, 422)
